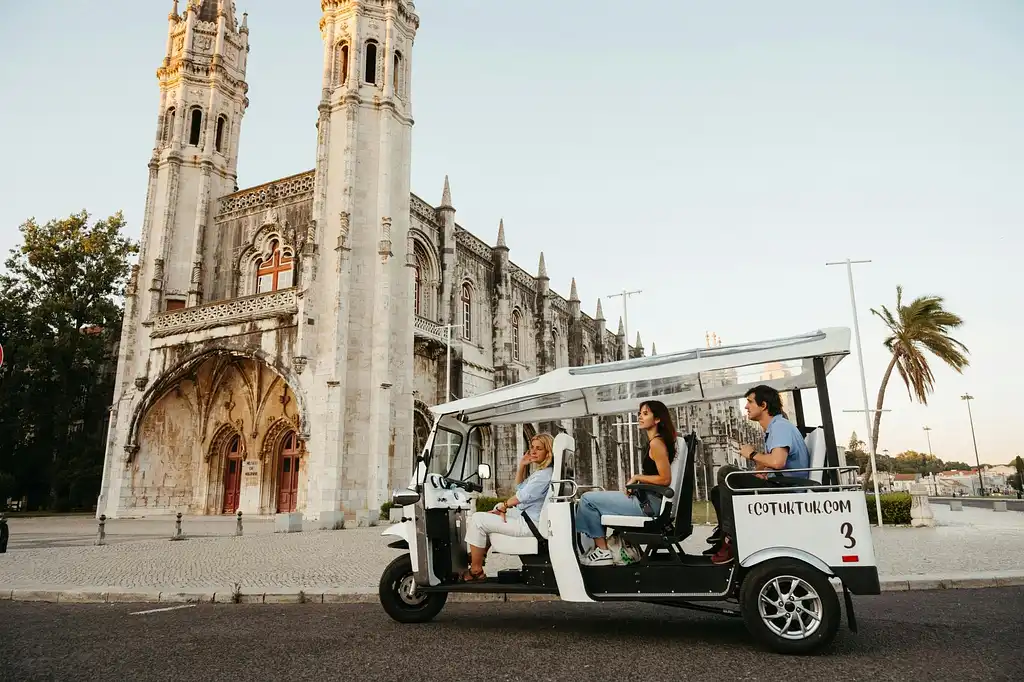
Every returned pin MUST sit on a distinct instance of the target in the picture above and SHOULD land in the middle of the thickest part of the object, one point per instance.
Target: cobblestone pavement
(57, 553)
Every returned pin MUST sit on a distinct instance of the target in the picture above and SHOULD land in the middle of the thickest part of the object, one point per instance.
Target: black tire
(813, 594)
(419, 608)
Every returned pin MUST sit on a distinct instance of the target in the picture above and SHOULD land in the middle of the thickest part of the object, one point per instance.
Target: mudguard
(402, 533)
(763, 555)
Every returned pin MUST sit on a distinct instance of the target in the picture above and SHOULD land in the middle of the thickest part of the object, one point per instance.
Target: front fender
(763, 555)
(404, 534)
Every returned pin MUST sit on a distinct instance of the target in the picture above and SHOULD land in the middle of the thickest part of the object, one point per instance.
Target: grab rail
(798, 486)
(562, 498)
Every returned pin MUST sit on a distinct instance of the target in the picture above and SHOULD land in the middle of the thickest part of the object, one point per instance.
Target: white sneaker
(597, 557)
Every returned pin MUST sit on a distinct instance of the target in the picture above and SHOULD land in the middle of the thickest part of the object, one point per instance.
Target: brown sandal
(468, 576)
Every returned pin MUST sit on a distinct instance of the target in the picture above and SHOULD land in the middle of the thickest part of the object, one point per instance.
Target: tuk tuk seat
(678, 470)
(564, 448)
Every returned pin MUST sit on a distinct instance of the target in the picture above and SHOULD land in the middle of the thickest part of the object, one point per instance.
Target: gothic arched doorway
(288, 474)
(233, 475)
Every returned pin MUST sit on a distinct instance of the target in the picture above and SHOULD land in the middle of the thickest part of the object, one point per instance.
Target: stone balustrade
(430, 328)
(222, 313)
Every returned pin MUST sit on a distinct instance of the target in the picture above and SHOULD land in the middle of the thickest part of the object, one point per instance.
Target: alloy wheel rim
(790, 607)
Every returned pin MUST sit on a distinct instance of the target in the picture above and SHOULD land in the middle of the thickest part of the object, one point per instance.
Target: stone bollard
(5, 533)
(101, 535)
(238, 526)
(921, 514)
(177, 529)
(956, 505)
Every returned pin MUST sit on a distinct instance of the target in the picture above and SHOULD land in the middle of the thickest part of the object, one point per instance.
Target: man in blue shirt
(784, 448)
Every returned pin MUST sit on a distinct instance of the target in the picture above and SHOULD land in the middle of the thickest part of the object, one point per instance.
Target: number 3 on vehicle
(847, 530)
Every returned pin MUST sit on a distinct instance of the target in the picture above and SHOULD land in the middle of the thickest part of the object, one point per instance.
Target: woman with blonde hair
(507, 517)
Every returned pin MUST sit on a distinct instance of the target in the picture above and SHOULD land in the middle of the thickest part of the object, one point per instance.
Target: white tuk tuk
(794, 549)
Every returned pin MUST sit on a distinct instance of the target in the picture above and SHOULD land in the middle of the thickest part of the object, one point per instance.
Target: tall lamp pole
(863, 380)
(928, 435)
(625, 355)
(981, 481)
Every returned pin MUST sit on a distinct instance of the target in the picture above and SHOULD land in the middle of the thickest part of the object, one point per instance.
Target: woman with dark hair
(655, 469)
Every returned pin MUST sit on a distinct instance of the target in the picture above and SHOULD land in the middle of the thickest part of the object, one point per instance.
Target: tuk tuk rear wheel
(398, 595)
(790, 606)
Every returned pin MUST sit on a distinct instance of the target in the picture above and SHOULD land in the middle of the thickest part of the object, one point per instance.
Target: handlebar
(468, 486)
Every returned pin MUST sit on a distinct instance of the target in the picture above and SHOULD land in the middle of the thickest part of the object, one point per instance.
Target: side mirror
(483, 471)
(404, 498)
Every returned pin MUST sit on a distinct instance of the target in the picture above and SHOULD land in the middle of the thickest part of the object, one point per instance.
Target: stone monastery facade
(281, 343)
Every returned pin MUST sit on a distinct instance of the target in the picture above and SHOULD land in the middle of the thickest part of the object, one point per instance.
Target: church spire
(622, 328)
(600, 313)
(542, 269)
(446, 195)
(654, 349)
(573, 296)
(501, 234)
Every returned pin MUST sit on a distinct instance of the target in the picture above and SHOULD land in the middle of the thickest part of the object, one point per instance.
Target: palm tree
(918, 328)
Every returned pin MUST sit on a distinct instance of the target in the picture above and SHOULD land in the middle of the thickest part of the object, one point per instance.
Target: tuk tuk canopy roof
(691, 376)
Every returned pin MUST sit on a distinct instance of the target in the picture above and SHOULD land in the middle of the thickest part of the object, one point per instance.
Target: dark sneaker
(714, 549)
(724, 555)
(716, 536)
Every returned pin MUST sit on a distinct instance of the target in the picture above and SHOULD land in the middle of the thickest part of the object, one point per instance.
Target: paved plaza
(58, 554)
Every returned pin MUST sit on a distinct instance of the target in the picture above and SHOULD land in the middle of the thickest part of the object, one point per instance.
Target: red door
(288, 475)
(233, 476)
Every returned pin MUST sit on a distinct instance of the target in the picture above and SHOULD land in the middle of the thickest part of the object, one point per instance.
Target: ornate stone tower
(360, 347)
(194, 160)
(202, 102)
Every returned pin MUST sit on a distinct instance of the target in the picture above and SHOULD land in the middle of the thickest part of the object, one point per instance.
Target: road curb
(337, 596)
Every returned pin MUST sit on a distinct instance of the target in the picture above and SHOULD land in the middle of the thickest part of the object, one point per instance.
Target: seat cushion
(627, 521)
(507, 544)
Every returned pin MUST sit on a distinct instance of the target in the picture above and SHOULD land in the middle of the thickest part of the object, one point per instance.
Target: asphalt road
(941, 635)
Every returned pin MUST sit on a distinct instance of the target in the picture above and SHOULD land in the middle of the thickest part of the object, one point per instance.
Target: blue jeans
(597, 502)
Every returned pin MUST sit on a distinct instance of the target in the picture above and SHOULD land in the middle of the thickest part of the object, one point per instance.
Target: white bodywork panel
(830, 526)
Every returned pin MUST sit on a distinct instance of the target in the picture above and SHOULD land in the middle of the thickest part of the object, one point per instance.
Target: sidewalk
(55, 560)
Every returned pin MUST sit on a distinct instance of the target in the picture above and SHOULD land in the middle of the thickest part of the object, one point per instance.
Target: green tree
(60, 320)
(856, 455)
(913, 462)
(956, 466)
(918, 329)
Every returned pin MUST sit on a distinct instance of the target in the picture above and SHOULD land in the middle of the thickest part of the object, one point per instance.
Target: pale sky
(713, 154)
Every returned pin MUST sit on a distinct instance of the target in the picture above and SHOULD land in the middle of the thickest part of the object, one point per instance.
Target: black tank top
(648, 467)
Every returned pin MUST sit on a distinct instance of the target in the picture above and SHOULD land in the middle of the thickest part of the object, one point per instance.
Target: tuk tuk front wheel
(398, 595)
(790, 606)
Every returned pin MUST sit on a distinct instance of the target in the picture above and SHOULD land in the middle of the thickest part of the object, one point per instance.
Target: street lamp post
(625, 351)
(981, 481)
(863, 381)
(928, 435)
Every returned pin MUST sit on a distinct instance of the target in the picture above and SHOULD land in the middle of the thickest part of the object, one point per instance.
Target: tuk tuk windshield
(444, 451)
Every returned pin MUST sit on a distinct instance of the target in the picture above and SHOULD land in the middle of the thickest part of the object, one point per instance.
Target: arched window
(370, 72)
(397, 76)
(275, 272)
(341, 76)
(515, 335)
(169, 125)
(467, 311)
(197, 127)
(418, 290)
(222, 125)
(554, 348)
